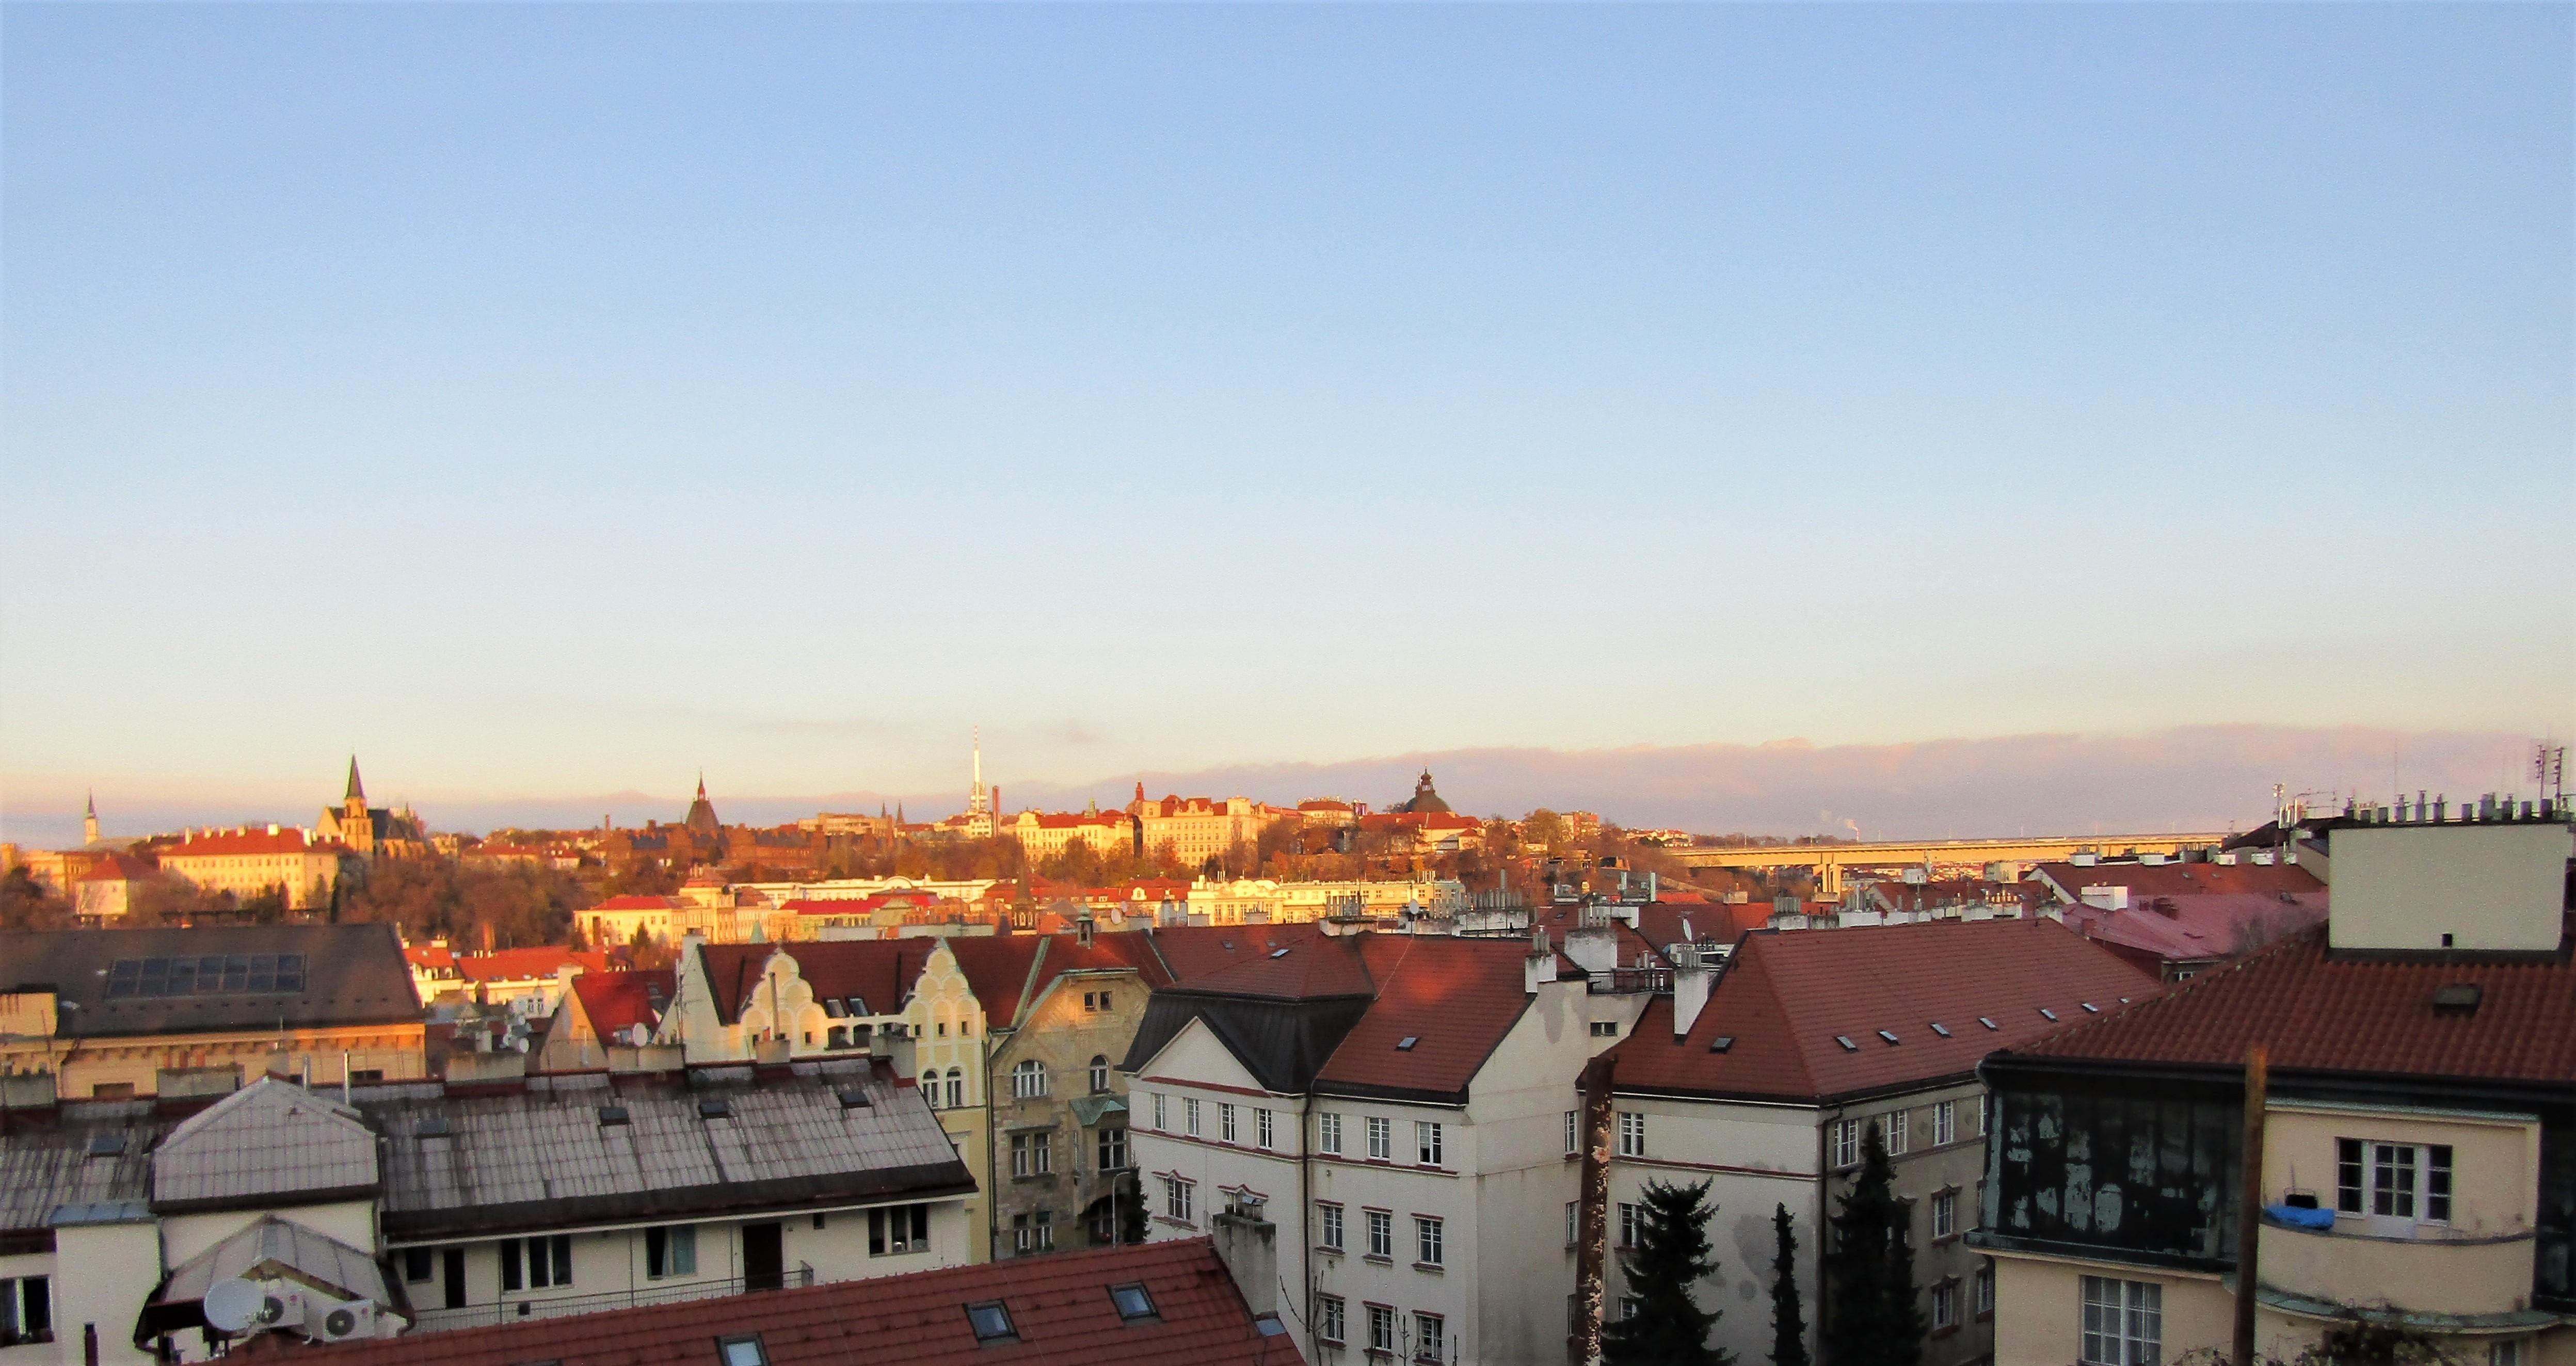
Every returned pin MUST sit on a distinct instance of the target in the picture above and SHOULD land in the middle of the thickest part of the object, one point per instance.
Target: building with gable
(371, 832)
(102, 896)
(603, 1015)
(1392, 1111)
(300, 866)
(1765, 1079)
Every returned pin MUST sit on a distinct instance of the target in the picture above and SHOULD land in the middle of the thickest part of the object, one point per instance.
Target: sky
(547, 402)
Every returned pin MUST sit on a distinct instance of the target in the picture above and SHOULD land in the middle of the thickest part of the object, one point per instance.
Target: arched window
(956, 1088)
(1029, 1080)
(1099, 1074)
(930, 1088)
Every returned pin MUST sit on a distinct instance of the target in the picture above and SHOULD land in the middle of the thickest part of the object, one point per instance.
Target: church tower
(89, 822)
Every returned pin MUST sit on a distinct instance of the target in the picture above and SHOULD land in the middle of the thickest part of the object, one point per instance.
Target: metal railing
(514, 1308)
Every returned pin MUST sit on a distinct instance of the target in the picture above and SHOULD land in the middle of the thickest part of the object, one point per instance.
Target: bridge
(1829, 860)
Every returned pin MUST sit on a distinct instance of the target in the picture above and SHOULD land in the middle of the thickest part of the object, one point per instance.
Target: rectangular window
(2123, 1322)
(1329, 1323)
(1328, 1219)
(1381, 1139)
(1225, 1122)
(1162, 1124)
(2393, 1180)
(1427, 1141)
(1381, 1231)
(1632, 1134)
(899, 1228)
(549, 1261)
(1945, 1122)
(1945, 1306)
(419, 1263)
(1630, 1221)
(1381, 1328)
(1113, 1150)
(1945, 1215)
(1265, 1129)
(1986, 1291)
(1605, 1029)
(1328, 1132)
(671, 1251)
(1019, 1154)
(1430, 1337)
(1981, 1116)
(1896, 1135)
(1846, 1136)
(1573, 1132)
(26, 1310)
(1180, 1199)
(1046, 1230)
(1428, 1236)
(1573, 1221)
(2507, 1353)
(1190, 1115)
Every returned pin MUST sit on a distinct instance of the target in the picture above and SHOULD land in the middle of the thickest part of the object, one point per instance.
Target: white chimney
(1691, 982)
(1539, 964)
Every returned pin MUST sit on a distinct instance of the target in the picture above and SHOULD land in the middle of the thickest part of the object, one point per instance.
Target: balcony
(521, 1307)
(2441, 1271)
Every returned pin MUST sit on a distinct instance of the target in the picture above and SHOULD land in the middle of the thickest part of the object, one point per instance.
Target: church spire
(357, 790)
(89, 821)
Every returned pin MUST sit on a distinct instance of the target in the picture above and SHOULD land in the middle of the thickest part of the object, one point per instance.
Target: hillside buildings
(246, 862)
(371, 832)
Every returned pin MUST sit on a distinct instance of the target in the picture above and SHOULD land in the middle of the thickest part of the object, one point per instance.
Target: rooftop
(213, 978)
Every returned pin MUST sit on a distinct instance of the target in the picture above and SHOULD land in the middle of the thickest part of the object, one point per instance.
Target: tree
(26, 904)
(1543, 829)
(1870, 1316)
(1788, 1325)
(1672, 1252)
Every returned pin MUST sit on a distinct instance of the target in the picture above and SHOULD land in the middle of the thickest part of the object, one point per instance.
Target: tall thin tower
(979, 798)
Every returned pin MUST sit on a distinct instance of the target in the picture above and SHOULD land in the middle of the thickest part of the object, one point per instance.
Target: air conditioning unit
(282, 1305)
(340, 1320)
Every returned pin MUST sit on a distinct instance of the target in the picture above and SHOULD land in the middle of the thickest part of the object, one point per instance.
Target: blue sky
(555, 399)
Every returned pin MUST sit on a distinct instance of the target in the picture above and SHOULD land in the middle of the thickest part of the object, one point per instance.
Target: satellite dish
(233, 1305)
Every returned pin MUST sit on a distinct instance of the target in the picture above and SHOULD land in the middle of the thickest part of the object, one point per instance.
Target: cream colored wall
(2495, 1160)
(15, 1266)
(2039, 1312)
(137, 1060)
(102, 1276)
(251, 874)
(350, 1221)
(2489, 886)
(948, 1028)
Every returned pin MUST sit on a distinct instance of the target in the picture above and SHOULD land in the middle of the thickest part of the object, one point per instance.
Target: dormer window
(991, 1321)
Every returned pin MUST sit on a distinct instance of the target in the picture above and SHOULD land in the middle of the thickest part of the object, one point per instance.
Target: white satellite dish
(234, 1305)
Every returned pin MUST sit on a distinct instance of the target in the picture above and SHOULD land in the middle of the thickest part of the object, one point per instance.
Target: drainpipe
(1305, 1208)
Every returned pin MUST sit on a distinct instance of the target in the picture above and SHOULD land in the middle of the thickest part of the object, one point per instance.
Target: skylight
(854, 1097)
(745, 1350)
(1405, 1044)
(434, 1126)
(991, 1322)
(1887, 1034)
(717, 1108)
(1940, 1029)
(1988, 1022)
(612, 1114)
(213, 974)
(1133, 1301)
(2051, 1014)
(2092, 1009)
(1721, 1043)
(107, 1145)
(1845, 1041)
(1278, 953)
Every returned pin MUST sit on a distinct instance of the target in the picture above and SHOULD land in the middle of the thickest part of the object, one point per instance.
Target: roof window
(2457, 998)
(434, 1126)
(742, 1350)
(1940, 1029)
(2051, 1014)
(1988, 1022)
(1405, 1044)
(991, 1322)
(858, 1005)
(1889, 1035)
(1134, 1303)
(1278, 953)
(106, 1145)
(1845, 1041)
(213, 974)
(612, 1114)
(1721, 1043)
(715, 1108)
(2092, 1009)
(854, 1097)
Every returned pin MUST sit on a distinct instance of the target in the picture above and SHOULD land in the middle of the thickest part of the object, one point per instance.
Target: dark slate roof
(48, 1160)
(1060, 1309)
(354, 975)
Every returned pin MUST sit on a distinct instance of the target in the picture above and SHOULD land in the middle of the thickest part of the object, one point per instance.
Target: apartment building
(1389, 1112)
(112, 1013)
(1199, 828)
(2417, 1172)
(249, 861)
(1765, 1083)
(1043, 835)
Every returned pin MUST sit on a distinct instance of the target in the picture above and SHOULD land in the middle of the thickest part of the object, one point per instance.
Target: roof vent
(1405, 1044)
(1888, 1034)
(1988, 1022)
(106, 1145)
(717, 1108)
(854, 1097)
(1721, 1043)
(434, 1126)
(1845, 1041)
(612, 1114)
(1940, 1029)
(2458, 998)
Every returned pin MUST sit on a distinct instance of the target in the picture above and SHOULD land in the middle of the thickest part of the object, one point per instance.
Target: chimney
(1248, 1244)
(1084, 929)
(1692, 979)
(1594, 948)
(1539, 964)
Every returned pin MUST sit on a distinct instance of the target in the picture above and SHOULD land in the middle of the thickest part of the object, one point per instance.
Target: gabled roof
(2198, 928)
(120, 868)
(637, 903)
(1787, 999)
(1193, 952)
(1060, 1310)
(269, 1248)
(880, 971)
(2319, 1011)
(1000, 969)
(621, 1000)
(353, 974)
(230, 843)
(2176, 878)
(271, 1142)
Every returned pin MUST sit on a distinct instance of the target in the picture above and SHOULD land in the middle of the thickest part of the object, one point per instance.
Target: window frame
(1632, 1133)
(1430, 1143)
(1430, 1240)
(1380, 1224)
(1332, 1319)
(1330, 1225)
(1381, 1139)
(1945, 1123)
(1328, 1132)
(2113, 1311)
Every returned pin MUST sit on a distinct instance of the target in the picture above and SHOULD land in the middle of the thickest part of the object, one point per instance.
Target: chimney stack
(1692, 979)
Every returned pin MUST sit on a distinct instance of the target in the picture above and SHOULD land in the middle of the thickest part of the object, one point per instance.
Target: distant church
(373, 832)
(1426, 801)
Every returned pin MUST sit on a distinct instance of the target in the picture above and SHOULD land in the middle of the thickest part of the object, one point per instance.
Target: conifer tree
(1870, 1316)
(1672, 1251)
(1788, 1325)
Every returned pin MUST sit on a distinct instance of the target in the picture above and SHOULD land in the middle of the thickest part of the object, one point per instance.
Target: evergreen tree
(1672, 1251)
(1870, 1316)
(1788, 1325)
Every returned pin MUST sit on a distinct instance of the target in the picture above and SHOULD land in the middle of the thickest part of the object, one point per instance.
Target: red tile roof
(288, 840)
(879, 971)
(2322, 1012)
(999, 969)
(2197, 928)
(620, 1000)
(519, 965)
(120, 868)
(1193, 952)
(639, 903)
(1059, 1307)
(2184, 879)
(1785, 998)
(1456, 998)
(429, 955)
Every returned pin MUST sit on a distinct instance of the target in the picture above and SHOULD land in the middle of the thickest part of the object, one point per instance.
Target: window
(1605, 1029)
(1029, 1080)
(1427, 1138)
(2507, 1353)
(1573, 1132)
(213, 974)
(899, 1228)
(1381, 1139)
(1330, 1321)
(1945, 1127)
(1225, 1122)
(1632, 1134)
(956, 1088)
(418, 1264)
(2393, 1180)
(930, 1088)
(1896, 1131)
(26, 1310)
(1986, 1291)
(1630, 1306)
(1265, 1128)
(1381, 1328)
(991, 1322)
(1032, 1154)
(1381, 1231)
(1430, 1337)
(745, 1350)
(1328, 1132)
(537, 1263)
(1428, 1238)
(1945, 1306)
(1846, 1137)
(2123, 1322)
(1113, 1150)
(1573, 1221)
(1190, 1115)
(1099, 1074)
(1180, 1198)
(1981, 1116)
(1162, 1123)
(1133, 1300)
(671, 1251)
(1630, 1220)
(1328, 1219)
(1945, 1215)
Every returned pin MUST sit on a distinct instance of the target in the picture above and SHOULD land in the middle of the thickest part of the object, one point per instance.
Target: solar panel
(213, 974)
